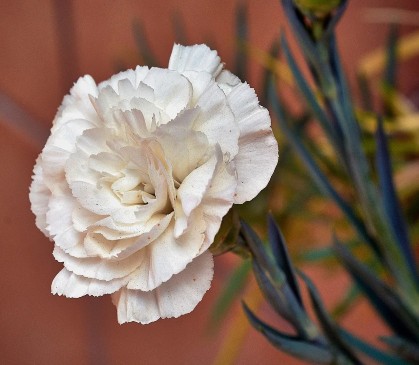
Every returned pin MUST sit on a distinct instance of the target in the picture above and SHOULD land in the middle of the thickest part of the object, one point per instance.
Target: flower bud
(319, 8)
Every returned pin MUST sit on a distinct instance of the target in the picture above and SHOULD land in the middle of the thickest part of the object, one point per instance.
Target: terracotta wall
(39, 60)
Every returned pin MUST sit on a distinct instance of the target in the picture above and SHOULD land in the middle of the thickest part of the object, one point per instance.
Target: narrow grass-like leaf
(316, 254)
(312, 352)
(267, 73)
(281, 257)
(405, 349)
(315, 172)
(258, 251)
(179, 28)
(390, 201)
(329, 327)
(283, 301)
(336, 17)
(360, 172)
(369, 350)
(142, 43)
(273, 283)
(391, 61)
(349, 299)
(324, 253)
(384, 300)
(241, 37)
(352, 129)
(306, 43)
(309, 95)
(275, 294)
(365, 91)
(231, 290)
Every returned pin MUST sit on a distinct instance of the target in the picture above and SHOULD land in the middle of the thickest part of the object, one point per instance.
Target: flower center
(132, 188)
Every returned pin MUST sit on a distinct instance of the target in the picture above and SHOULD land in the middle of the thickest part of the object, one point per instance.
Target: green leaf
(405, 349)
(329, 327)
(142, 43)
(312, 352)
(369, 350)
(336, 17)
(309, 96)
(384, 300)
(366, 98)
(281, 257)
(267, 72)
(307, 93)
(259, 253)
(304, 39)
(283, 301)
(343, 306)
(390, 202)
(390, 72)
(274, 286)
(179, 28)
(242, 36)
(315, 172)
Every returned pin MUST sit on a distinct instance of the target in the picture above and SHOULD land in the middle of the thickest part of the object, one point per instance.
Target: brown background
(44, 47)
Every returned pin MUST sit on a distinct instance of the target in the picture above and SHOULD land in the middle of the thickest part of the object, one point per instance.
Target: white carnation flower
(138, 173)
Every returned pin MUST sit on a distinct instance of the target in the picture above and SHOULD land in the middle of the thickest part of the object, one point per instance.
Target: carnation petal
(39, 196)
(167, 256)
(176, 297)
(100, 245)
(114, 81)
(100, 201)
(218, 200)
(227, 81)
(98, 268)
(172, 91)
(183, 147)
(195, 58)
(258, 149)
(58, 148)
(77, 104)
(194, 186)
(217, 121)
(60, 221)
(75, 286)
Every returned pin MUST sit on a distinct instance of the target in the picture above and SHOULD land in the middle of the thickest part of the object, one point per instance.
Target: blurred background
(45, 46)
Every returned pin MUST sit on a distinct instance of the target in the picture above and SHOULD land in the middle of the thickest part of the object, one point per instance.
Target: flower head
(137, 174)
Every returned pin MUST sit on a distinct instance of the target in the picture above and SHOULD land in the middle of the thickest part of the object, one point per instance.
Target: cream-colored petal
(167, 256)
(83, 218)
(195, 58)
(218, 200)
(227, 81)
(98, 200)
(195, 185)
(172, 91)
(134, 121)
(184, 148)
(200, 81)
(77, 104)
(96, 243)
(98, 268)
(153, 113)
(39, 195)
(75, 286)
(114, 81)
(176, 297)
(258, 149)
(216, 120)
(58, 149)
(60, 223)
